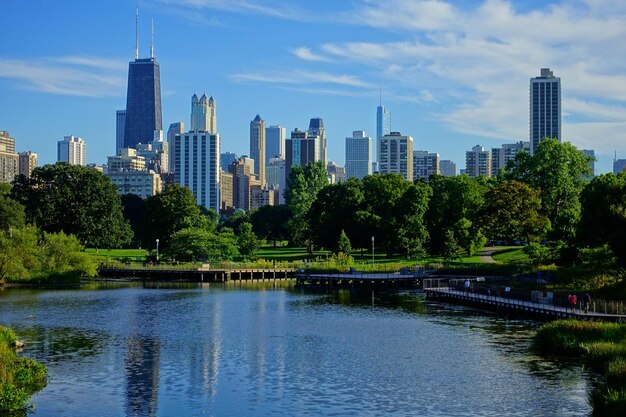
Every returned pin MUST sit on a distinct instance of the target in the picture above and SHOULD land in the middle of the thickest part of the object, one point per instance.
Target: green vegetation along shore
(600, 345)
(19, 377)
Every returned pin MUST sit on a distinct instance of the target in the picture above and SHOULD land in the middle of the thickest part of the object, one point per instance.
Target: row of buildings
(13, 163)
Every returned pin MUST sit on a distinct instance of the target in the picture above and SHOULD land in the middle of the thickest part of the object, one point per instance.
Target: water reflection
(142, 376)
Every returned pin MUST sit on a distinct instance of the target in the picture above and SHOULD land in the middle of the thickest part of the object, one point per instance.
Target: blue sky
(453, 73)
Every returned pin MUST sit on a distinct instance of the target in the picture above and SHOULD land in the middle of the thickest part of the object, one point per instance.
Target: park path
(485, 255)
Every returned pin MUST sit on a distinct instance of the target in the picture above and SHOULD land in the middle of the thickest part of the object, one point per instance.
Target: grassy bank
(19, 377)
(601, 345)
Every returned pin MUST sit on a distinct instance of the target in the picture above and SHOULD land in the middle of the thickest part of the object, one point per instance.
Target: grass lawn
(118, 253)
(511, 255)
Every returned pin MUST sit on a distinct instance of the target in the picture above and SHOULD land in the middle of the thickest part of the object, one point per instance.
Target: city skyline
(447, 88)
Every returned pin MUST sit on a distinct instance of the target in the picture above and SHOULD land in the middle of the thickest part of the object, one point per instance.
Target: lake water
(231, 351)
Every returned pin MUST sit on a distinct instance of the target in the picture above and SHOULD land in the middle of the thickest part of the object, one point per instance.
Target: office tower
(478, 162)
(174, 129)
(28, 162)
(619, 165)
(257, 147)
(447, 168)
(196, 156)
(592, 163)
(226, 191)
(144, 183)
(383, 124)
(72, 150)
(156, 154)
(244, 181)
(358, 155)
(126, 160)
(143, 98)
(120, 126)
(316, 128)
(227, 158)
(500, 157)
(276, 177)
(262, 196)
(545, 108)
(203, 118)
(9, 160)
(336, 173)
(274, 142)
(301, 149)
(425, 164)
(396, 155)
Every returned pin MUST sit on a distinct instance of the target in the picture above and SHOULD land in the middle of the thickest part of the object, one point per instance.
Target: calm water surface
(227, 351)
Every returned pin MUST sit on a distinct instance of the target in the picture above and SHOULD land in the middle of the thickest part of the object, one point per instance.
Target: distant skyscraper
(120, 126)
(478, 162)
(301, 149)
(243, 182)
(316, 128)
(9, 160)
(336, 173)
(174, 129)
(447, 168)
(257, 147)
(500, 157)
(425, 164)
(28, 162)
(274, 142)
(396, 155)
(545, 108)
(72, 150)
(276, 177)
(197, 161)
(227, 158)
(143, 100)
(619, 165)
(358, 155)
(383, 125)
(203, 115)
(592, 164)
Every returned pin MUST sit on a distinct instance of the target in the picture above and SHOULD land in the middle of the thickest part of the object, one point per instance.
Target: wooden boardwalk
(359, 281)
(196, 275)
(492, 302)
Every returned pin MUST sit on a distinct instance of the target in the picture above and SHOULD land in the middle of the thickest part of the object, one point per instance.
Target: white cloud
(308, 55)
(272, 8)
(67, 75)
(300, 77)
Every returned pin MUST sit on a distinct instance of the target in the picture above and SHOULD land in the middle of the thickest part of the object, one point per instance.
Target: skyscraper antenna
(152, 38)
(137, 31)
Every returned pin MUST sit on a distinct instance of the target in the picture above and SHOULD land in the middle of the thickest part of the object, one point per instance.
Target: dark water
(217, 351)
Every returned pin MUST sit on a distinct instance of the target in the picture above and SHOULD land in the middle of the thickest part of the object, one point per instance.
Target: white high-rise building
(274, 142)
(197, 161)
(72, 150)
(545, 108)
(425, 164)
(396, 155)
(203, 117)
(500, 157)
(257, 147)
(478, 162)
(447, 168)
(358, 155)
(276, 177)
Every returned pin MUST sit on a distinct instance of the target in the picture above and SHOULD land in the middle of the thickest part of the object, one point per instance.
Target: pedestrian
(570, 301)
(586, 302)
(467, 285)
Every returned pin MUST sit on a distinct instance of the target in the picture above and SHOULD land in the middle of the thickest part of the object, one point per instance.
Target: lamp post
(372, 250)
(157, 242)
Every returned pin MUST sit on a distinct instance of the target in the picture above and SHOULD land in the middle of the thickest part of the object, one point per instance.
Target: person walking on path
(467, 285)
(586, 302)
(571, 299)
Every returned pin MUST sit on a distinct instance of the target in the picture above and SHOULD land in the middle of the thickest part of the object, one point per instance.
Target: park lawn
(118, 253)
(511, 255)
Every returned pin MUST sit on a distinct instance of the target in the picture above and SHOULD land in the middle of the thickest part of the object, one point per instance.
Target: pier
(201, 275)
(359, 281)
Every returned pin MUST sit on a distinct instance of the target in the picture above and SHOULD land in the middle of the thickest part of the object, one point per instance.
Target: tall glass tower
(257, 147)
(383, 126)
(143, 99)
(545, 108)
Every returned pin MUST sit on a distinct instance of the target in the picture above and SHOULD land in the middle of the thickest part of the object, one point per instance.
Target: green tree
(199, 244)
(603, 217)
(134, 210)
(270, 222)
(303, 185)
(247, 242)
(75, 200)
(451, 248)
(61, 253)
(454, 207)
(18, 253)
(170, 211)
(559, 172)
(409, 222)
(11, 212)
(344, 246)
(512, 210)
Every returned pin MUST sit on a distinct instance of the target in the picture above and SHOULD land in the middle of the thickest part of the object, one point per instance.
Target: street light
(157, 242)
(372, 250)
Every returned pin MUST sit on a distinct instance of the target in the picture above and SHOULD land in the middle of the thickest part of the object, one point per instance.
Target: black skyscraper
(143, 102)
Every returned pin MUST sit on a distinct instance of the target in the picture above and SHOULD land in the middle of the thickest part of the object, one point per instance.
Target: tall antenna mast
(152, 38)
(137, 31)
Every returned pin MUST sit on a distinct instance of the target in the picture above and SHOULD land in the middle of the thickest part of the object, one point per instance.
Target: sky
(454, 74)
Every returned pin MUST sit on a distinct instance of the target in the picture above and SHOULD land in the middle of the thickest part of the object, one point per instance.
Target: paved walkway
(485, 255)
